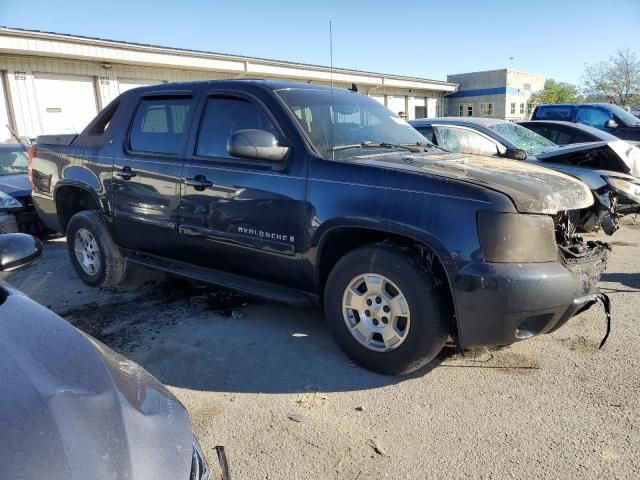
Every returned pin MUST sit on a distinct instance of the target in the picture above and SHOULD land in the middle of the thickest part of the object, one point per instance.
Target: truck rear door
(240, 215)
(146, 173)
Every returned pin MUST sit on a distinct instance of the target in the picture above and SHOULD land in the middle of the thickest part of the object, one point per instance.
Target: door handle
(126, 173)
(199, 182)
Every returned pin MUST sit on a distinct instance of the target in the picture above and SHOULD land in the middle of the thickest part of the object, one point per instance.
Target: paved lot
(268, 383)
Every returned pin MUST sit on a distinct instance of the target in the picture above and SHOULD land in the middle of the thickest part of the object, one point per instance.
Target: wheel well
(343, 240)
(71, 200)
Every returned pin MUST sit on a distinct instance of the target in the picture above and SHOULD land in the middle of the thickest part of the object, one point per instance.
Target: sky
(427, 38)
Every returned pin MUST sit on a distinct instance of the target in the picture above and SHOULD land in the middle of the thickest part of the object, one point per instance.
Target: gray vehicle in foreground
(597, 164)
(71, 408)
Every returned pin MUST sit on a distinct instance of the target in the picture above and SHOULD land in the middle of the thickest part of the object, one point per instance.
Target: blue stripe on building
(487, 91)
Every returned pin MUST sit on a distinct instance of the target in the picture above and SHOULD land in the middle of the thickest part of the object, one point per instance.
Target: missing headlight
(517, 238)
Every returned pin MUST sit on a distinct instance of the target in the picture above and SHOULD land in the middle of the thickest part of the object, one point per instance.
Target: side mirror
(18, 250)
(516, 154)
(256, 144)
(611, 124)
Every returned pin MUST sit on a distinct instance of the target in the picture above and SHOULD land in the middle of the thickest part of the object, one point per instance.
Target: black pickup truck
(292, 190)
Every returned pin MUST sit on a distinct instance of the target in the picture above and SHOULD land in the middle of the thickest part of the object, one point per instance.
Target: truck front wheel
(385, 311)
(94, 255)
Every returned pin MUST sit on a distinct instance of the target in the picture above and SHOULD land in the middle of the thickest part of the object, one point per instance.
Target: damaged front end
(587, 261)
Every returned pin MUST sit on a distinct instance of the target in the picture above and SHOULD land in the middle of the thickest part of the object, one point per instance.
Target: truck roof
(269, 84)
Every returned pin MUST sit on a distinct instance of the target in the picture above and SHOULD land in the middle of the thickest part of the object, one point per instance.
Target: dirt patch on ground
(122, 323)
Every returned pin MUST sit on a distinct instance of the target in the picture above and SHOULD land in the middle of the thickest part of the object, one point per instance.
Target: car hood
(625, 158)
(15, 185)
(71, 408)
(532, 189)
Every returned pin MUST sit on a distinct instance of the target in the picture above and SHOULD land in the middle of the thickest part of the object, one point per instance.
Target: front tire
(387, 313)
(94, 255)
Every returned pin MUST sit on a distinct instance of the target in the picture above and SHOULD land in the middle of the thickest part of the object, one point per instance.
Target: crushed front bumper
(502, 303)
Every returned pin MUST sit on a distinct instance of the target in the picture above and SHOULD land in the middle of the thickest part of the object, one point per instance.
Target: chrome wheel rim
(376, 312)
(87, 252)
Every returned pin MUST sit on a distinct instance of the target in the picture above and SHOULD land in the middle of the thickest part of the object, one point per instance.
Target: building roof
(101, 49)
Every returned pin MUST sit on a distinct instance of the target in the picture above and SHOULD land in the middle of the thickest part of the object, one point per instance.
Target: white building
(503, 93)
(52, 83)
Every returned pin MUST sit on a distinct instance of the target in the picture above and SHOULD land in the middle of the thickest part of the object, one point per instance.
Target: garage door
(66, 103)
(125, 84)
(396, 104)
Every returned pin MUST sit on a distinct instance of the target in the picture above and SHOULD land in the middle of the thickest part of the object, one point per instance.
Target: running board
(259, 288)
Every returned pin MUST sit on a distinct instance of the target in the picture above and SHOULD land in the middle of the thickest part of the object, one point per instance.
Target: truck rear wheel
(385, 311)
(94, 255)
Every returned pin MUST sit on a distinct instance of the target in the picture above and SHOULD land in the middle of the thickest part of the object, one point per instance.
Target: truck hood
(71, 408)
(532, 189)
(15, 185)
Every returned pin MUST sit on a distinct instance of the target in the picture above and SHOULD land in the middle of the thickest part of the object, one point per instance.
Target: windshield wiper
(412, 148)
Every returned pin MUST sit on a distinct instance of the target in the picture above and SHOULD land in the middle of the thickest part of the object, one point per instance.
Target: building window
(486, 109)
(522, 109)
(513, 108)
(530, 107)
(465, 111)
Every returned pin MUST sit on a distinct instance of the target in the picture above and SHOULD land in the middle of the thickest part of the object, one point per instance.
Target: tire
(110, 269)
(421, 307)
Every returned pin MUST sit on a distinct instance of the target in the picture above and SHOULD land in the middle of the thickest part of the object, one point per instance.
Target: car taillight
(32, 152)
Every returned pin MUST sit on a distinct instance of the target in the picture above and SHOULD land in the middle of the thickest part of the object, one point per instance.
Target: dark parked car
(567, 133)
(297, 191)
(71, 408)
(598, 164)
(604, 116)
(16, 208)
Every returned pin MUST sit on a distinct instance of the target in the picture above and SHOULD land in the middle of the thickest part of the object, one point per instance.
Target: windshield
(523, 138)
(350, 125)
(13, 160)
(624, 116)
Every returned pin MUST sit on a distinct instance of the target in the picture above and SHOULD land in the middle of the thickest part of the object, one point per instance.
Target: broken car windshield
(341, 122)
(523, 138)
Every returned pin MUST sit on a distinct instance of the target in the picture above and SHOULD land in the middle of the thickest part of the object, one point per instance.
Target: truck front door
(244, 216)
(146, 174)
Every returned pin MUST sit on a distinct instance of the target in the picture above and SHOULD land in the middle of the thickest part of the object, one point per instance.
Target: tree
(616, 80)
(556, 92)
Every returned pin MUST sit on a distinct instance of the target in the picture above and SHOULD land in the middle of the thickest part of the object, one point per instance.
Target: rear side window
(222, 117)
(159, 125)
(553, 113)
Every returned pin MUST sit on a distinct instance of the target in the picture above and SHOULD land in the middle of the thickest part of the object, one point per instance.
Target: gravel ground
(268, 383)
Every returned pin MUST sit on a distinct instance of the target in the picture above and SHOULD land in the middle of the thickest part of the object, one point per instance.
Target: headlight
(7, 202)
(624, 187)
(199, 468)
(517, 238)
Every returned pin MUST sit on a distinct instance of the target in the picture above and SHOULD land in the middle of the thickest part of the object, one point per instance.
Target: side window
(158, 125)
(553, 113)
(563, 138)
(459, 140)
(547, 132)
(222, 117)
(593, 116)
(427, 132)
